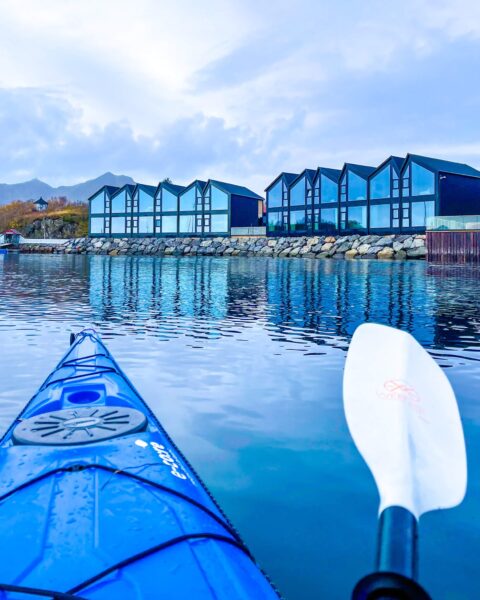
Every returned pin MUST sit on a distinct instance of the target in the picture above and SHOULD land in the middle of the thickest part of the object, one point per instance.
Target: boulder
(363, 249)
(386, 253)
(400, 255)
(352, 253)
(419, 252)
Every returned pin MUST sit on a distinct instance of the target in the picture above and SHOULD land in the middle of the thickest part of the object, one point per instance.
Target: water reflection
(308, 301)
(242, 361)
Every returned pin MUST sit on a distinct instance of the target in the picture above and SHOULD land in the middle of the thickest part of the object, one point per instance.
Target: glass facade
(188, 200)
(219, 223)
(169, 224)
(328, 219)
(187, 224)
(118, 225)
(169, 201)
(328, 190)
(145, 225)
(297, 193)
(380, 216)
(357, 187)
(357, 217)
(298, 221)
(423, 181)
(421, 211)
(145, 201)
(274, 221)
(380, 184)
(219, 199)
(97, 204)
(119, 202)
(97, 225)
(274, 195)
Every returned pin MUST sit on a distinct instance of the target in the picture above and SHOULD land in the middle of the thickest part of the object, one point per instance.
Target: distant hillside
(32, 190)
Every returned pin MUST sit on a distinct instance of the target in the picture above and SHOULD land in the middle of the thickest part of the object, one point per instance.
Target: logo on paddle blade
(400, 391)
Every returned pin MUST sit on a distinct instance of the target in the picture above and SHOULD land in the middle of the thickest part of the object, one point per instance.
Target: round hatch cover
(79, 426)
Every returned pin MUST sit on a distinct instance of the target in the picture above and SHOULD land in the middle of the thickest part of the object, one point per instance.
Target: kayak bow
(97, 502)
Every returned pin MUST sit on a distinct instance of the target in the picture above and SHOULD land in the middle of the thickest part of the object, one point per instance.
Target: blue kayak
(97, 502)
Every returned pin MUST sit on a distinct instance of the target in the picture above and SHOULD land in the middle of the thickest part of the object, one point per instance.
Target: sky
(235, 90)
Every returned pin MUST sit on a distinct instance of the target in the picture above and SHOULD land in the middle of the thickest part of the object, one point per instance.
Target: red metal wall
(453, 246)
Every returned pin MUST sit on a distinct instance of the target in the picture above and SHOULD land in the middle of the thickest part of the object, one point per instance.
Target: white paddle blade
(403, 416)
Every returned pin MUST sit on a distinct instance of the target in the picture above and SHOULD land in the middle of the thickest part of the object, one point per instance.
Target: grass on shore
(19, 215)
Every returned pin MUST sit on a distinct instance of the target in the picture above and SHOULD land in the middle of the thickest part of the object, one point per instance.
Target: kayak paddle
(403, 417)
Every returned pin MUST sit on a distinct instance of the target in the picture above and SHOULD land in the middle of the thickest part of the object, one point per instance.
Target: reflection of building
(397, 196)
(201, 208)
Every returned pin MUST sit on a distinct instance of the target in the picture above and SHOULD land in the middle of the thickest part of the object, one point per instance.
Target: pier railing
(454, 223)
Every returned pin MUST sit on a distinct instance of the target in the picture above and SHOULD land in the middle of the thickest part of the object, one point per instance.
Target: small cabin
(41, 204)
(11, 236)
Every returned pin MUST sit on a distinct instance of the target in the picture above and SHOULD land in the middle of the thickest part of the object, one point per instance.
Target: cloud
(232, 90)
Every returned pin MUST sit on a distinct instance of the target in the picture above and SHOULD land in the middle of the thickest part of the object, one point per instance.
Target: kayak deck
(122, 515)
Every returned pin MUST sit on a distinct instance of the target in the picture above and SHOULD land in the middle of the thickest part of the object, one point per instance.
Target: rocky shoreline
(390, 247)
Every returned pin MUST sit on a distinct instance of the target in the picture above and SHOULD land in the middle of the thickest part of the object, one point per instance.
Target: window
(406, 182)
(343, 218)
(328, 219)
(380, 184)
(97, 225)
(145, 225)
(97, 205)
(169, 224)
(119, 202)
(169, 201)
(145, 202)
(118, 225)
(380, 216)
(329, 190)
(423, 181)
(219, 200)
(357, 187)
(187, 223)
(188, 201)
(343, 188)
(274, 221)
(421, 211)
(297, 220)
(395, 186)
(219, 223)
(316, 191)
(357, 217)
(274, 196)
(297, 193)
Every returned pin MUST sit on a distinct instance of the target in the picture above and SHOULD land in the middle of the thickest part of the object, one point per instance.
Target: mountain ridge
(34, 188)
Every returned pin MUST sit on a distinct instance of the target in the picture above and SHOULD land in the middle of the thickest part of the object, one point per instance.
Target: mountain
(32, 190)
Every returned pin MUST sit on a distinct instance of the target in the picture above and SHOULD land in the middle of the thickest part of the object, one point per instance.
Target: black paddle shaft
(396, 560)
(397, 542)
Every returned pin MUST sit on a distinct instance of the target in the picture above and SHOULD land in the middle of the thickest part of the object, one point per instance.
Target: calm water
(242, 361)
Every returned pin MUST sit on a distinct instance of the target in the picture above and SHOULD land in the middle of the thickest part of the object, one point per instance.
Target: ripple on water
(242, 360)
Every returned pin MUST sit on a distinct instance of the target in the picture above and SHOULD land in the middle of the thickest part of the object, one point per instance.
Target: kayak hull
(100, 513)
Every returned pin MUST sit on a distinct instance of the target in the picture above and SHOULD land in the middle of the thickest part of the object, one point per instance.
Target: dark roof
(41, 201)
(333, 174)
(445, 166)
(309, 173)
(128, 187)
(237, 190)
(397, 162)
(197, 182)
(361, 170)
(150, 189)
(110, 189)
(289, 177)
(172, 187)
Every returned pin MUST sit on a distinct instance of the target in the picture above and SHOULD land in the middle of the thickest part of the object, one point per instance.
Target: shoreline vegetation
(61, 219)
(387, 247)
